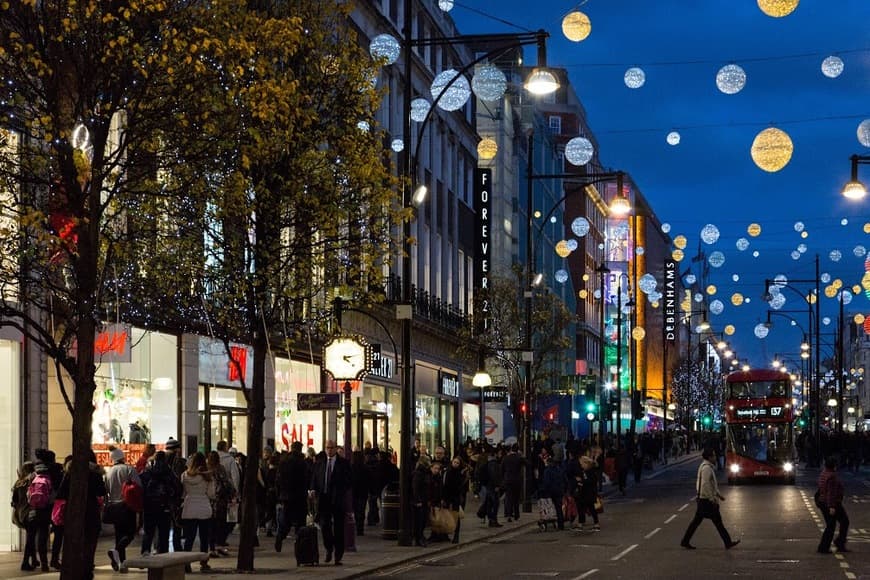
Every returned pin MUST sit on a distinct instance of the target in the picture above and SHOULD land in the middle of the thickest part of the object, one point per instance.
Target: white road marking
(586, 574)
(546, 574)
(682, 508)
(850, 575)
(670, 519)
(624, 552)
(844, 564)
(651, 534)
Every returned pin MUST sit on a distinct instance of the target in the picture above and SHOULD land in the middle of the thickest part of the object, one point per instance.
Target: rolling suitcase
(306, 546)
(350, 532)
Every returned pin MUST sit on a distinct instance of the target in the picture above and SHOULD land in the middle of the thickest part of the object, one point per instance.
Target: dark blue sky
(710, 178)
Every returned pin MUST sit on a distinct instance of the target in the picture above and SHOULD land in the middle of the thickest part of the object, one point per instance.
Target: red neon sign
(110, 341)
(237, 363)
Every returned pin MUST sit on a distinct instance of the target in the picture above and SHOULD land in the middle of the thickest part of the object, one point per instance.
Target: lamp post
(854, 188)
(602, 270)
(815, 404)
(540, 81)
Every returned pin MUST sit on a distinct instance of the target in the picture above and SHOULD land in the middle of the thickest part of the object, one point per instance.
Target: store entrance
(373, 427)
(224, 423)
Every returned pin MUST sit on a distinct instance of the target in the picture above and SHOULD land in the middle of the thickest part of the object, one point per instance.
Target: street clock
(346, 358)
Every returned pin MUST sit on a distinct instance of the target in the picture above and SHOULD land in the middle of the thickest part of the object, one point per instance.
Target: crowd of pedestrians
(173, 501)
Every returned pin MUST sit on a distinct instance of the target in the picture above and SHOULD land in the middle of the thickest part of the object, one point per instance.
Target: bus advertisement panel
(759, 427)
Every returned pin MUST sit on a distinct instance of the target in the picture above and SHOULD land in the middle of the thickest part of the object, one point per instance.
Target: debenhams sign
(670, 300)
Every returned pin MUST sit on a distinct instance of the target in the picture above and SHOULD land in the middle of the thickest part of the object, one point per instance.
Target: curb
(438, 551)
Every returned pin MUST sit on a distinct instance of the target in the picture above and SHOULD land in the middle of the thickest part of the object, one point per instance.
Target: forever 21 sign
(482, 207)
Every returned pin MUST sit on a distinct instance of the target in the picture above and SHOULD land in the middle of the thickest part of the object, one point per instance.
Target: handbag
(58, 511)
(441, 521)
(599, 504)
(546, 509)
(569, 507)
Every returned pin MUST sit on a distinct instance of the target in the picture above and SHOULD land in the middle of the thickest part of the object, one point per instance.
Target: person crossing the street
(708, 503)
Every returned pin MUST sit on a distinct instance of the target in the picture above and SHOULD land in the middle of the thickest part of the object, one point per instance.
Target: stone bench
(168, 566)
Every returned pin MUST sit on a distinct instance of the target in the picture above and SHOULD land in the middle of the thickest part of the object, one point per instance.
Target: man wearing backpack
(161, 490)
(117, 510)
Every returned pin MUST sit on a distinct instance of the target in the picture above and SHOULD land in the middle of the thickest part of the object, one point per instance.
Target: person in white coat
(198, 494)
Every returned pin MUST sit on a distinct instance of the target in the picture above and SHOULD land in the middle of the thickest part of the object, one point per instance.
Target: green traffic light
(590, 407)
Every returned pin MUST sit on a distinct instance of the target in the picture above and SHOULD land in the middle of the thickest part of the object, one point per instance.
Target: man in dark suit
(330, 483)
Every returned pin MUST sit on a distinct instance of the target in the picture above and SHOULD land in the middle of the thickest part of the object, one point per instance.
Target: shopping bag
(599, 504)
(546, 509)
(232, 512)
(441, 521)
(58, 511)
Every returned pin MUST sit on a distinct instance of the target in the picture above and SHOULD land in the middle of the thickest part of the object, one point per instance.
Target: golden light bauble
(583, 294)
(585, 277)
(576, 26)
(711, 290)
(805, 234)
(859, 318)
(778, 8)
(837, 283)
(867, 228)
(487, 148)
(638, 333)
(830, 291)
(677, 255)
(680, 242)
(856, 289)
(772, 149)
(865, 281)
(729, 330)
(737, 299)
(753, 230)
(562, 249)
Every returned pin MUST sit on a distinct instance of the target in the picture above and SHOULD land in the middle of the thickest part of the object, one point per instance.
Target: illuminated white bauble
(489, 83)
(832, 67)
(731, 79)
(445, 5)
(561, 276)
(579, 151)
(576, 26)
(864, 133)
(419, 109)
(580, 226)
(634, 78)
(673, 138)
(456, 95)
(385, 46)
(716, 307)
(859, 251)
(397, 145)
(666, 228)
(647, 283)
(710, 234)
(835, 255)
(761, 330)
(716, 259)
(742, 244)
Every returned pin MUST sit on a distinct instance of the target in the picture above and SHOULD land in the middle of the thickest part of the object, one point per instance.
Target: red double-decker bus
(759, 427)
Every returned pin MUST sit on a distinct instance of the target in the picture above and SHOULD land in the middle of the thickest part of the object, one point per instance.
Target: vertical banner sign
(670, 301)
(482, 248)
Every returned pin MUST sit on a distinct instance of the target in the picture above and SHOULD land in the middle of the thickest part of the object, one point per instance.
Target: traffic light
(591, 411)
(707, 421)
(523, 408)
(801, 422)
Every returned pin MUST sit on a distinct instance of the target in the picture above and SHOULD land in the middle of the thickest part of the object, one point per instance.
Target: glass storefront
(427, 426)
(10, 437)
(135, 401)
(291, 378)
(227, 416)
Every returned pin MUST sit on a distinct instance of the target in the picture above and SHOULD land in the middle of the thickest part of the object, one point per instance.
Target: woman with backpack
(40, 498)
(196, 512)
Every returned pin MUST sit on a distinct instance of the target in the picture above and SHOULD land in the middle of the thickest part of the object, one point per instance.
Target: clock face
(345, 359)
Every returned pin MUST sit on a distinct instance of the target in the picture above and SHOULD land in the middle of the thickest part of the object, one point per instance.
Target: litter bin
(390, 511)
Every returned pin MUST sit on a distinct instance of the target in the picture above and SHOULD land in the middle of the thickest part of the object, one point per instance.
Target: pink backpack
(39, 492)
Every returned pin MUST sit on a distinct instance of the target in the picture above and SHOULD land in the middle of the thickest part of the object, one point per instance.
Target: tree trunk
(249, 520)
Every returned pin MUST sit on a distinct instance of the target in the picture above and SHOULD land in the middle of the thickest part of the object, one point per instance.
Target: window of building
(556, 125)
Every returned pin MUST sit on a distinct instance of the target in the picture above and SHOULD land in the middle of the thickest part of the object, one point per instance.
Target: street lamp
(815, 403)
(540, 82)
(854, 188)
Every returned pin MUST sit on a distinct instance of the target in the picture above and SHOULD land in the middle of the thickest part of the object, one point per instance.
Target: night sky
(710, 177)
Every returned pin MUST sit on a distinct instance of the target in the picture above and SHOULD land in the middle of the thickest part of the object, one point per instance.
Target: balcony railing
(426, 306)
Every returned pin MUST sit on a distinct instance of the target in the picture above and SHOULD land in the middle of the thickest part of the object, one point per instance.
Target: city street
(778, 525)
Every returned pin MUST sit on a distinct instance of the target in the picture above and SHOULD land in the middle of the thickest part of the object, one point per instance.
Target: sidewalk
(373, 553)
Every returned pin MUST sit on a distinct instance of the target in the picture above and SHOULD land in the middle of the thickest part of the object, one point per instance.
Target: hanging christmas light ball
(737, 299)
(580, 226)
(445, 5)
(802, 248)
(385, 46)
(710, 234)
(729, 329)
(835, 255)
(756, 253)
(716, 259)
(487, 148)
(832, 67)
(639, 251)
(711, 289)
(690, 279)
(578, 151)
(777, 301)
(799, 226)
(731, 79)
(680, 242)
(742, 244)
(561, 276)
(772, 149)
(753, 230)
(858, 318)
(678, 255)
(456, 95)
(397, 145)
(864, 132)
(572, 244)
(647, 283)
(844, 222)
(562, 249)
(825, 277)
(666, 228)
(778, 8)
(716, 307)
(419, 109)
(859, 251)
(489, 83)
(795, 255)
(761, 330)
(363, 126)
(673, 138)
(576, 26)
(638, 333)
(634, 77)
(735, 277)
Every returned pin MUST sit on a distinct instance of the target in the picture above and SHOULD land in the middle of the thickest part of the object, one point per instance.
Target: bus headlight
(735, 468)
(788, 466)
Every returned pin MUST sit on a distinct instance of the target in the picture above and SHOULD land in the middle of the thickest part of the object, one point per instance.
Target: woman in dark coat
(455, 490)
(420, 483)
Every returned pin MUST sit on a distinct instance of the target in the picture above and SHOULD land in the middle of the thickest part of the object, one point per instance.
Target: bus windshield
(765, 442)
(758, 389)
